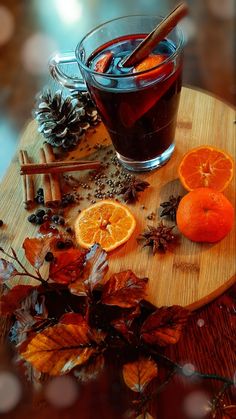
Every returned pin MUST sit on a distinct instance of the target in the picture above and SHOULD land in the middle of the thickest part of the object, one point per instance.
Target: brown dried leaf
(58, 349)
(96, 266)
(78, 288)
(229, 412)
(72, 318)
(7, 270)
(124, 324)
(137, 375)
(67, 266)
(124, 289)
(36, 250)
(164, 326)
(10, 301)
(91, 370)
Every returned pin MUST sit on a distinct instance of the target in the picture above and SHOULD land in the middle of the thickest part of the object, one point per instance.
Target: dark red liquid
(139, 112)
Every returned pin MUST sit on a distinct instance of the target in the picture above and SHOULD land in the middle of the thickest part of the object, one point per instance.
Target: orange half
(107, 222)
(206, 166)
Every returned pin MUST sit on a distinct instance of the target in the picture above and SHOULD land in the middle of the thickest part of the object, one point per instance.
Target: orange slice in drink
(152, 61)
(206, 166)
(107, 222)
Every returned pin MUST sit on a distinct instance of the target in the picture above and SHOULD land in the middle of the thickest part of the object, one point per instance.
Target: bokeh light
(62, 392)
(70, 11)
(197, 405)
(223, 9)
(189, 28)
(188, 369)
(200, 322)
(36, 52)
(7, 25)
(10, 391)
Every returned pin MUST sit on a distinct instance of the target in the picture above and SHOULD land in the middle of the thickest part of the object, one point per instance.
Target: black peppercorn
(1, 223)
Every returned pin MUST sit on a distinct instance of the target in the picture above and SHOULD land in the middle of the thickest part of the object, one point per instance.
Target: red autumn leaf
(229, 412)
(137, 375)
(124, 324)
(164, 326)
(60, 348)
(36, 250)
(91, 370)
(78, 288)
(67, 266)
(7, 270)
(10, 301)
(47, 228)
(124, 289)
(96, 266)
(72, 318)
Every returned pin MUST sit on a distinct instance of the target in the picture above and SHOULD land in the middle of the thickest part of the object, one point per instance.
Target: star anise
(132, 187)
(170, 207)
(157, 237)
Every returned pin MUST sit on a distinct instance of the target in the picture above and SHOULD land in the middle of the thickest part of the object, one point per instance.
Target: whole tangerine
(205, 215)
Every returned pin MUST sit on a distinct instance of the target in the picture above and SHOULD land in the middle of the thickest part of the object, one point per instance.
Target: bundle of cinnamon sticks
(50, 170)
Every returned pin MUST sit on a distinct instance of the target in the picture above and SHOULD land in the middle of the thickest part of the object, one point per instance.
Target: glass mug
(137, 105)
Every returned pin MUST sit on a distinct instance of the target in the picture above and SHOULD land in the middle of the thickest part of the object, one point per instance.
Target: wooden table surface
(208, 345)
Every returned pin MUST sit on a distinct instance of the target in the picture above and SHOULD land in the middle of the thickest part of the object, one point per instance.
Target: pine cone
(64, 121)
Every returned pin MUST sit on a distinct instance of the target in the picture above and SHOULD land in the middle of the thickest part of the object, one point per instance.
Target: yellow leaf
(58, 349)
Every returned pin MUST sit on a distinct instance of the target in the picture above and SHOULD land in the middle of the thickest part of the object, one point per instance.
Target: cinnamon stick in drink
(54, 177)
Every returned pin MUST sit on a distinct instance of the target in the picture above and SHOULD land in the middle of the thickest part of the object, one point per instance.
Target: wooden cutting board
(190, 274)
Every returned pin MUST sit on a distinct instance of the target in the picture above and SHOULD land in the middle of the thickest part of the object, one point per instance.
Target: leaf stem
(205, 376)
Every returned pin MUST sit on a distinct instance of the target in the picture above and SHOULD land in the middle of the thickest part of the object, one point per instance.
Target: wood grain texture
(191, 274)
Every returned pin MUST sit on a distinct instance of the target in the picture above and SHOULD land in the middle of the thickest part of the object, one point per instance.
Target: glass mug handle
(56, 72)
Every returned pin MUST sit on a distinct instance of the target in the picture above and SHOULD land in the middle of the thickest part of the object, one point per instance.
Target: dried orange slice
(107, 222)
(206, 166)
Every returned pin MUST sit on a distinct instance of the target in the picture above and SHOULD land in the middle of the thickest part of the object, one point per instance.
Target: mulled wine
(139, 111)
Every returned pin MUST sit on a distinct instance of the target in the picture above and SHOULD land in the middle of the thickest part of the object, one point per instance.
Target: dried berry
(1, 223)
(158, 238)
(49, 257)
(68, 244)
(40, 213)
(60, 245)
(32, 218)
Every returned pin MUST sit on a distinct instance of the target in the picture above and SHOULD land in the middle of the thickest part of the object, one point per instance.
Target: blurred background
(32, 30)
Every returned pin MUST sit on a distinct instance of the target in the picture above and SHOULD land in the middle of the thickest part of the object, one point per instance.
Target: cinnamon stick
(54, 178)
(58, 167)
(159, 33)
(27, 181)
(45, 181)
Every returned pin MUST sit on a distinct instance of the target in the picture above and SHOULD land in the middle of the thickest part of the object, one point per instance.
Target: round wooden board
(190, 274)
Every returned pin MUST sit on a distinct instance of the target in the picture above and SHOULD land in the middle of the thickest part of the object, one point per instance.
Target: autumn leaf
(72, 318)
(91, 370)
(67, 266)
(137, 375)
(36, 250)
(7, 270)
(164, 326)
(124, 289)
(78, 288)
(96, 266)
(124, 324)
(60, 348)
(10, 301)
(229, 412)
